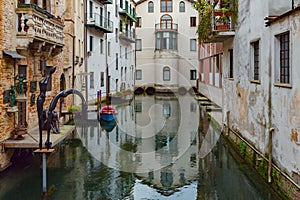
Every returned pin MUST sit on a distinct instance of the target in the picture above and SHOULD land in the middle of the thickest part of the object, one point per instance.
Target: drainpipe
(271, 130)
(85, 50)
(73, 62)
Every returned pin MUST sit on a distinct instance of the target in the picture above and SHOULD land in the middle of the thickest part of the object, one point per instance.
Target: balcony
(222, 26)
(128, 36)
(99, 22)
(166, 27)
(37, 29)
(106, 1)
(127, 12)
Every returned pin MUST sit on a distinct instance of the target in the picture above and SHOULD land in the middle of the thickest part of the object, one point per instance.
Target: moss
(242, 148)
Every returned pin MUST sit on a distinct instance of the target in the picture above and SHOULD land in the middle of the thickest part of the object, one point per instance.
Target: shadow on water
(150, 154)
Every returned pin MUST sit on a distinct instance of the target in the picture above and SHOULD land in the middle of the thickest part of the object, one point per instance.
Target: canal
(161, 148)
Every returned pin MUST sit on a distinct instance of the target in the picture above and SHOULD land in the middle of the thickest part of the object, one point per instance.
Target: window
(150, 7)
(138, 106)
(193, 44)
(120, 51)
(284, 58)
(116, 34)
(166, 22)
(181, 6)
(230, 63)
(91, 9)
(101, 46)
(101, 16)
(166, 73)
(126, 56)
(138, 45)
(139, 22)
(193, 21)
(108, 48)
(121, 73)
(193, 74)
(166, 110)
(255, 59)
(47, 72)
(117, 61)
(102, 79)
(138, 74)
(166, 6)
(92, 80)
(91, 43)
(166, 40)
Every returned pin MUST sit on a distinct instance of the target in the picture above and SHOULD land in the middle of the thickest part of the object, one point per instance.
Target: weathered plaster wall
(256, 107)
(246, 101)
(285, 100)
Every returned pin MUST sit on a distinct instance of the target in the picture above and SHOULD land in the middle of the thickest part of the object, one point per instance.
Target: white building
(260, 82)
(166, 43)
(110, 48)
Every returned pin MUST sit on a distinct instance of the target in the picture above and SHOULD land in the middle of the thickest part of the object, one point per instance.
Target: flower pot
(222, 27)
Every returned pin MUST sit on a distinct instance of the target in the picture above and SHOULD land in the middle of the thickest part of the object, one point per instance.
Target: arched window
(166, 22)
(181, 6)
(166, 73)
(150, 7)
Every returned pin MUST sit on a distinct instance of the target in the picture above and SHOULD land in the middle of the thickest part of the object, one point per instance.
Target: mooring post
(98, 104)
(44, 174)
(44, 153)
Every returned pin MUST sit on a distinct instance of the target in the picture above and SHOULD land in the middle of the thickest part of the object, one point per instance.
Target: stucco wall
(256, 107)
(181, 61)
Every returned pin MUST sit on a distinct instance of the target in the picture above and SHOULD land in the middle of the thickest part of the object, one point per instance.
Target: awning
(13, 54)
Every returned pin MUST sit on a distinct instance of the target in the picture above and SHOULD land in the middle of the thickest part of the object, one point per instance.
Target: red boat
(108, 113)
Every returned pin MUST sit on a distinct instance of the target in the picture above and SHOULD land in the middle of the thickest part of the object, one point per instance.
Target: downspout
(85, 50)
(271, 129)
(73, 61)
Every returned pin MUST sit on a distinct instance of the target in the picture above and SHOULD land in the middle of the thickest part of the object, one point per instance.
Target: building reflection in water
(150, 154)
(155, 139)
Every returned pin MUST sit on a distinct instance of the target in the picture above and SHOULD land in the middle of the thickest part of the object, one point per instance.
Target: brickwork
(6, 66)
(9, 68)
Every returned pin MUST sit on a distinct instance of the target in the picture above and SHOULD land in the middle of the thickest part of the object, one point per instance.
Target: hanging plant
(205, 27)
(205, 11)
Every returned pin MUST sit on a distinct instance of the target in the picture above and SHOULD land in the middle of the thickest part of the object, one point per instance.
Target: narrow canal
(161, 148)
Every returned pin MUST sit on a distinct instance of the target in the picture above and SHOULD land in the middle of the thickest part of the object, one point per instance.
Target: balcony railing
(128, 12)
(166, 27)
(106, 1)
(34, 23)
(100, 22)
(222, 26)
(128, 36)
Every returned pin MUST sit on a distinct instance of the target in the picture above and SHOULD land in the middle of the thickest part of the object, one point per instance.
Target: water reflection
(154, 152)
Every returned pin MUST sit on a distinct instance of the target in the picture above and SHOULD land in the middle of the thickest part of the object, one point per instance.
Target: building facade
(32, 41)
(166, 44)
(210, 71)
(260, 84)
(110, 49)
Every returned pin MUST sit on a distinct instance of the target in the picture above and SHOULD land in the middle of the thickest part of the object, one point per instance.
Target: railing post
(22, 23)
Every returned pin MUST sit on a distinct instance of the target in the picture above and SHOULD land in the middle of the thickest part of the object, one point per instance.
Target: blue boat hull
(107, 117)
(108, 125)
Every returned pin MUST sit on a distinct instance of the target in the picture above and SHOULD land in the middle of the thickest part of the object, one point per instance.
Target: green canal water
(161, 148)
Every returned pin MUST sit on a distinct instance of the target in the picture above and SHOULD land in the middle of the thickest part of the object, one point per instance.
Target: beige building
(37, 36)
(166, 44)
